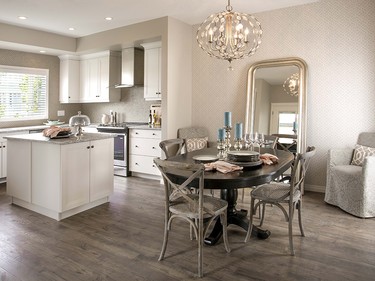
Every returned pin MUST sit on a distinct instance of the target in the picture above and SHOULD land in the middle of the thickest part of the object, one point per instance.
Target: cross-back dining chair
(194, 208)
(172, 147)
(278, 193)
(270, 141)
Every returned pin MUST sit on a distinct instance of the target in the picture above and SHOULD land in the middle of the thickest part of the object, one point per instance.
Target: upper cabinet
(90, 79)
(69, 79)
(152, 83)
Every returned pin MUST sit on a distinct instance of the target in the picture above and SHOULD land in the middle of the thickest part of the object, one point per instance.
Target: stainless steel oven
(121, 147)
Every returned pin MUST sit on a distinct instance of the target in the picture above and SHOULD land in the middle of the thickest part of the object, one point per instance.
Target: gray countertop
(144, 127)
(26, 128)
(61, 141)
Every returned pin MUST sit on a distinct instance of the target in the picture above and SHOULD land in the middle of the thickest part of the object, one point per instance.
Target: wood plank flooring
(121, 240)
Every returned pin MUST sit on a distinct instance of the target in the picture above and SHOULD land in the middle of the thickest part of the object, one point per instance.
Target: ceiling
(88, 16)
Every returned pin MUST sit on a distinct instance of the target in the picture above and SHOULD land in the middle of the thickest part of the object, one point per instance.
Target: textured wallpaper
(336, 39)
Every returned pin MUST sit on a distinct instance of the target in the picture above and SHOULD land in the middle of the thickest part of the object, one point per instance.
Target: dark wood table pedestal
(236, 217)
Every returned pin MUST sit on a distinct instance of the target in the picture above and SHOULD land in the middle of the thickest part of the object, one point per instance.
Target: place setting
(241, 155)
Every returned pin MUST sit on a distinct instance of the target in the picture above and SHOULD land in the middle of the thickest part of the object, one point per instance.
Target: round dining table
(228, 183)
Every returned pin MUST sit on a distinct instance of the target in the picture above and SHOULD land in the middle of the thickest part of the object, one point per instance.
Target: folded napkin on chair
(222, 166)
(268, 158)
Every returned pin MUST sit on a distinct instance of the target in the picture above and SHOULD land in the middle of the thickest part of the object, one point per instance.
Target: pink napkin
(222, 166)
(269, 159)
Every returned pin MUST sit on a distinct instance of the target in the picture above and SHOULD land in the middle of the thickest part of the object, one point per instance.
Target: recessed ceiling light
(42, 51)
(108, 18)
(71, 28)
(22, 17)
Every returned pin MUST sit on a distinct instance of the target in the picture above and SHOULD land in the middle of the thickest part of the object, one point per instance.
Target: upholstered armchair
(351, 177)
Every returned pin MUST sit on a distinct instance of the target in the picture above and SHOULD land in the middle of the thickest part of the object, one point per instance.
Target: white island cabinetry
(3, 153)
(143, 148)
(60, 180)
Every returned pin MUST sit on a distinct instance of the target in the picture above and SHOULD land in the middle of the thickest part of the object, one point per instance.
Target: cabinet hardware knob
(136, 145)
(153, 134)
(88, 147)
(153, 147)
(92, 146)
(136, 164)
(136, 133)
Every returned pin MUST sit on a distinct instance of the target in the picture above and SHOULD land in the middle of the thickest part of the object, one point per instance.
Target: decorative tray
(205, 158)
(243, 156)
(62, 136)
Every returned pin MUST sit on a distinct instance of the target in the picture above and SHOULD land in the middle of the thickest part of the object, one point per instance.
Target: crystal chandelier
(291, 85)
(229, 35)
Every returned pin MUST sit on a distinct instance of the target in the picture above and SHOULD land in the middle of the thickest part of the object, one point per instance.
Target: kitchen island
(60, 177)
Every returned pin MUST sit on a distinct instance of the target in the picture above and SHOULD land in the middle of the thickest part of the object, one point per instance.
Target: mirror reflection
(276, 101)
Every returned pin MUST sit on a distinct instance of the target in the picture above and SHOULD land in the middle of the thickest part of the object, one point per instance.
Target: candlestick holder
(237, 144)
(220, 148)
(227, 142)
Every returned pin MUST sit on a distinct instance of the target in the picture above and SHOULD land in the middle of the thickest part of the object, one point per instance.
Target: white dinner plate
(205, 158)
(243, 156)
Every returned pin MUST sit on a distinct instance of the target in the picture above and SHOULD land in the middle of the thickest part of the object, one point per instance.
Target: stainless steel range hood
(132, 68)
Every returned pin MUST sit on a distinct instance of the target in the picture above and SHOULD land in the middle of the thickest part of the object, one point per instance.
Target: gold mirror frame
(302, 96)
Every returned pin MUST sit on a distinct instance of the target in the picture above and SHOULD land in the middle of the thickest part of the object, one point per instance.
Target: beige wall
(15, 58)
(335, 38)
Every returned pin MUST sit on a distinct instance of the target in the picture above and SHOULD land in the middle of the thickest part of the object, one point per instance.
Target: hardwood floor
(121, 240)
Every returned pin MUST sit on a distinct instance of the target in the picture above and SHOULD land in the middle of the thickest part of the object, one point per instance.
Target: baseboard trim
(315, 188)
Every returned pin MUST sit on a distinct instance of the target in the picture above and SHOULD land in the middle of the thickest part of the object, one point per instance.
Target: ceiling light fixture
(71, 28)
(229, 35)
(22, 17)
(42, 51)
(291, 85)
(108, 18)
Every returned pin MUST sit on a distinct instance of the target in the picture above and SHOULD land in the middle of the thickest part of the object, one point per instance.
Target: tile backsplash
(132, 107)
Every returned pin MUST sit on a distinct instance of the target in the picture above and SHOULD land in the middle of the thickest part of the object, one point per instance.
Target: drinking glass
(247, 141)
(260, 140)
(253, 139)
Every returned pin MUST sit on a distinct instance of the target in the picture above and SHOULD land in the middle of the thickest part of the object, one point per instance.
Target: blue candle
(220, 134)
(228, 119)
(238, 131)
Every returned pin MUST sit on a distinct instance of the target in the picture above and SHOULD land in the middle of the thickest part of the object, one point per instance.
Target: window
(23, 93)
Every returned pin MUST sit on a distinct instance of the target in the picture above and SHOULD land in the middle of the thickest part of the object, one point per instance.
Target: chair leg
(263, 207)
(299, 206)
(223, 219)
(200, 248)
(250, 228)
(290, 228)
(165, 240)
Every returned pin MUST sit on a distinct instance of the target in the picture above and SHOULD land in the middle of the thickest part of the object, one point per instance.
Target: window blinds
(23, 93)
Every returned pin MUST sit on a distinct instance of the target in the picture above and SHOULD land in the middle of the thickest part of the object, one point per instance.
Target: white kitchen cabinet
(99, 73)
(69, 79)
(3, 154)
(61, 180)
(19, 171)
(3, 158)
(152, 75)
(143, 148)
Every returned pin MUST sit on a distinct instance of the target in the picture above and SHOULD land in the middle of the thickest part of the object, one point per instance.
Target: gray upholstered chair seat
(351, 187)
(275, 192)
